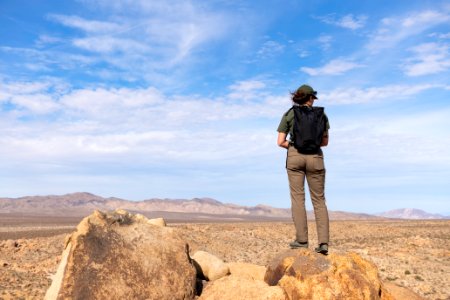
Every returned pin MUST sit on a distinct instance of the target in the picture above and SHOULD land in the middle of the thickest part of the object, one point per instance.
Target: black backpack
(309, 126)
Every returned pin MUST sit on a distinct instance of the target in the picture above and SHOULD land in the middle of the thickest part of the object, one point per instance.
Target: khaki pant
(312, 167)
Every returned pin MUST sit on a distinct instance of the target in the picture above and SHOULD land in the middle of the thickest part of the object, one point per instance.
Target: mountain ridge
(83, 203)
(410, 214)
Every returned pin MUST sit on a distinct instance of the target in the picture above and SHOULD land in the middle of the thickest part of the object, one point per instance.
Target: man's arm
(282, 142)
(324, 139)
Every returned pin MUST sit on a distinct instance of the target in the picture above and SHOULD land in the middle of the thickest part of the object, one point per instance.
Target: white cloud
(393, 139)
(303, 53)
(150, 36)
(96, 102)
(429, 58)
(247, 86)
(393, 30)
(105, 44)
(39, 104)
(45, 39)
(33, 97)
(50, 59)
(353, 23)
(325, 41)
(145, 122)
(348, 21)
(440, 35)
(334, 67)
(131, 41)
(247, 89)
(92, 26)
(373, 94)
(140, 108)
(270, 49)
(24, 87)
(423, 18)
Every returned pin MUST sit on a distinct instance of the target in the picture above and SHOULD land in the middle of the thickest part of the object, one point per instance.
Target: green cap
(306, 90)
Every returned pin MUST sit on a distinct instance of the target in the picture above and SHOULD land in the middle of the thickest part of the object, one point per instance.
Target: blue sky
(180, 99)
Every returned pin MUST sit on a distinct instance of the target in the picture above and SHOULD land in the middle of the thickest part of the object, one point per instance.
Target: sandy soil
(414, 254)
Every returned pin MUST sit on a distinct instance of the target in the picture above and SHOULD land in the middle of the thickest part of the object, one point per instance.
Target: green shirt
(287, 123)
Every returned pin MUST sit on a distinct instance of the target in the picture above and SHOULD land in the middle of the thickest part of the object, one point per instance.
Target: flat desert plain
(414, 254)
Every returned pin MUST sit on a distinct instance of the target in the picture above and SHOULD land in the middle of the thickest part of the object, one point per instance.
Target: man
(305, 160)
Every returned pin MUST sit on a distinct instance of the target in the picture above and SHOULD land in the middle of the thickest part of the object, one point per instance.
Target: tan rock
(240, 288)
(304, 274)
(209, 265)
(158, 222)
(247, 270)
(11, 244)
(400, 292)
(119, 256)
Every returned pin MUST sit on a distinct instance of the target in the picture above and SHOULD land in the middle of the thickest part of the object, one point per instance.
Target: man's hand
(281, 141)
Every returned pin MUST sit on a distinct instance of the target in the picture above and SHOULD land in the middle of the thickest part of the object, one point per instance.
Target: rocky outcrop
(400, 292)
(236, 288)
(209, 266)
(247, 270)
(307, 275)
(122, 256)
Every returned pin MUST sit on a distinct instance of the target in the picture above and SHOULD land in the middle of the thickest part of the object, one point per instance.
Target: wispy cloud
(134, 125)
(105, 44)
(150, 42)
(92, 26)
(303, 53)
(145, 121)
(395, 29)
(325, 41)
(334, 67)
(374, 94)
(429, 58)
(247, 89)
(348, 21)
(270, 49)
(45, 39)
(440, 35)
(30, 98)
(360, 143)
(136, 106)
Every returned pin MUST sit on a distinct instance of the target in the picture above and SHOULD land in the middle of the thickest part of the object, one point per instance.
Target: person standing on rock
(307, 127)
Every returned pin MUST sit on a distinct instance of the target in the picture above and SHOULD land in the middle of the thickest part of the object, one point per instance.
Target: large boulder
(400, 292)
(209, 266)
(247, 270)
(122, 256)
(241, 288)
(304, 274)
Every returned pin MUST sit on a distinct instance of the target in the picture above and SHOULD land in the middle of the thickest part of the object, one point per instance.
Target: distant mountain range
(410, 213)
(81, 204)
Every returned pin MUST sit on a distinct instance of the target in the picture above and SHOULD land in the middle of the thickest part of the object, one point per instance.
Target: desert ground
(414, 254)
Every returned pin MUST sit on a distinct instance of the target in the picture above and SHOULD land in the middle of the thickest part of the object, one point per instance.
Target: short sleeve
(284, 126)
(327, 123)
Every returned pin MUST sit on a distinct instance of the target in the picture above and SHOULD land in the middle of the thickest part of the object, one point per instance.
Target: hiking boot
(296, 244)
(322, 249)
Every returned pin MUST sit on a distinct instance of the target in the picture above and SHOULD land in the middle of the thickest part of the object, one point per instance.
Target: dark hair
(300, 97)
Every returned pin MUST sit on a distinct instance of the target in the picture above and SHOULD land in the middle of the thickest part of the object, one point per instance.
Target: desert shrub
(391, 278)
(417, 277)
